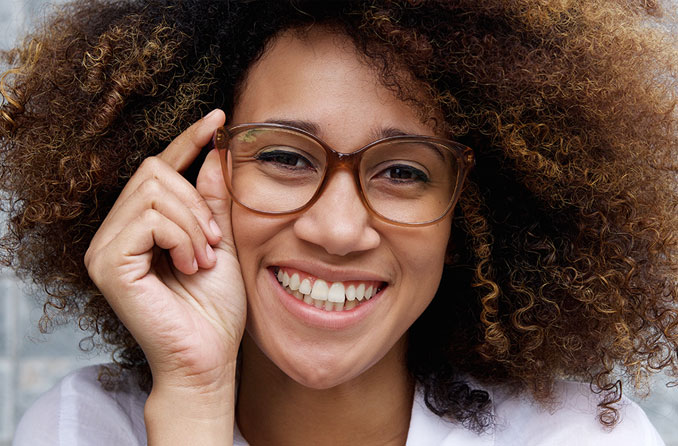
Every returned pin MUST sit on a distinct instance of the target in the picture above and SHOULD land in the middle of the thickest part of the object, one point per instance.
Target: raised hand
(171, 274)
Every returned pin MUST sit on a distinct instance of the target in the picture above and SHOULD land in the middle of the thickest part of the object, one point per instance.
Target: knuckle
(196, 230)
(88, 258)
(151, 187)
(93, 264)
(200, 205)
(151, 163)
(150, 217)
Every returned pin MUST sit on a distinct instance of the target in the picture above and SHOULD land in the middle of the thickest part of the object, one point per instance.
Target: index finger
(181, 152)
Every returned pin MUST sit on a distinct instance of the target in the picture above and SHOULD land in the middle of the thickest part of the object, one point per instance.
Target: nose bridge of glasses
(348, 162)
(342, 161)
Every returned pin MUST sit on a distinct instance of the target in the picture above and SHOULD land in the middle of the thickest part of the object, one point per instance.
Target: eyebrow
(314, 129)
(307, 126)
(377, 133)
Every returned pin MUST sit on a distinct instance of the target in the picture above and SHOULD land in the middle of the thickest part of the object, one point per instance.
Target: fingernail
(195, 265)
(215, 228)
(211, 256)
(207, 116)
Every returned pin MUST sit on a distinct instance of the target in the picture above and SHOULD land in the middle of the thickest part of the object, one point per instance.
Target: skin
(194, 298)
(320, 80)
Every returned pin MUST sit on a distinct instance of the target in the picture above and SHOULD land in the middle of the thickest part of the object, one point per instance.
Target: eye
(284, 157)
(402, 173)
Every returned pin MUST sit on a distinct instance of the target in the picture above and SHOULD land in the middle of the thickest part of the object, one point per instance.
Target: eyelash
(273, 156)
(419, 175)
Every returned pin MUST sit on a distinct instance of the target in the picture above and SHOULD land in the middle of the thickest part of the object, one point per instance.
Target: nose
(338, 222)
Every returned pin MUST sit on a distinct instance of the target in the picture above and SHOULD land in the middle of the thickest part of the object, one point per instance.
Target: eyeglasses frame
(346, 161)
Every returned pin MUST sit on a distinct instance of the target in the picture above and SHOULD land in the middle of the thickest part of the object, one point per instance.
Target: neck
(373, 408)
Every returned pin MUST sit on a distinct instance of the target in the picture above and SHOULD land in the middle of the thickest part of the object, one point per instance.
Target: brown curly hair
(564, 257)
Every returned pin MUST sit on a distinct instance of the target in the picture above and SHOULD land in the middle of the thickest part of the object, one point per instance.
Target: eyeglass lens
(280, 170)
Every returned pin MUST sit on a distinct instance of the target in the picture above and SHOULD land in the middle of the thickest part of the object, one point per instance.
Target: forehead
(319, 77)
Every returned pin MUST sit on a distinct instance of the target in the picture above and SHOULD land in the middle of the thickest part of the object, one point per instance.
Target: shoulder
(519, 420)
(79, 411)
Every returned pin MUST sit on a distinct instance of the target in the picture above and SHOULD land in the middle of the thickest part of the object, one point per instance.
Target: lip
(319, 318)
(330, 274)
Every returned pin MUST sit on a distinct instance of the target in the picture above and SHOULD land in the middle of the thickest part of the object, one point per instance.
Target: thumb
(212, 187)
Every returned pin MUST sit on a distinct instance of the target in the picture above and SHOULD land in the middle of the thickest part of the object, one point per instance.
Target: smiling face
(336, 249)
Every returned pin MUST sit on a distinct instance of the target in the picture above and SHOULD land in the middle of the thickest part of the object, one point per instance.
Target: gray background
(30, 363)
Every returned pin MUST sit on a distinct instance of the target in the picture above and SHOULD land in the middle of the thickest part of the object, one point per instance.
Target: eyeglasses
(276, 169)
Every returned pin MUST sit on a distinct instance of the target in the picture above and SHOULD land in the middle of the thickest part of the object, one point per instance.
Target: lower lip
(319, 318)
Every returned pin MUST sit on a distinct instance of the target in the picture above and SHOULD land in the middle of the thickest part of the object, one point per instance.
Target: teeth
(350, 292)
(305, 286)
(336, 293)
(360, 291)
(294, 282)
(320, 290)
(334, 297)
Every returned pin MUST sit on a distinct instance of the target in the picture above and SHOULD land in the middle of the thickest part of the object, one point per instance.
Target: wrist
(204, 380)
(179, 412)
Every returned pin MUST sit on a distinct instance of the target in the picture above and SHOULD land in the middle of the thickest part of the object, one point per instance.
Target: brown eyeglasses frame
(347, 161)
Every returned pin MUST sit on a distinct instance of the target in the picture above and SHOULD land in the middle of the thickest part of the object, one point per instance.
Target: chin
(318, 378)
(319, 373)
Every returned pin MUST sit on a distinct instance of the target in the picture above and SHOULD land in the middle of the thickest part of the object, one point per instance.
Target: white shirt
(78, 412)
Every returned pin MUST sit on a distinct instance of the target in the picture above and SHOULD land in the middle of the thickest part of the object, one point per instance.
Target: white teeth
(360, 291)
(350, 292)
(320, 290)
(336, 293)
(294, 282)
(334, 297)
(305, 287)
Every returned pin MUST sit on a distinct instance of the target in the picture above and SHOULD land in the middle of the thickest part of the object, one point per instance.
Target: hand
(172, 278)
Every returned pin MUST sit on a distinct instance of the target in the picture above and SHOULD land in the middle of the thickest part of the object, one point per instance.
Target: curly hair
(563, 260)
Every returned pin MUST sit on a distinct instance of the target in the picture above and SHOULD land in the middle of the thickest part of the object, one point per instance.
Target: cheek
(240, 220)
(422, 252)
(251, 231)
(421, 255)
(250, 235)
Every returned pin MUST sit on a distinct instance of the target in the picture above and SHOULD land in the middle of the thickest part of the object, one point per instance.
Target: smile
(329, 296)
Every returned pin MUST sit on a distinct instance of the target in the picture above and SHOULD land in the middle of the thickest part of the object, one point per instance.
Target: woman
(340, 272)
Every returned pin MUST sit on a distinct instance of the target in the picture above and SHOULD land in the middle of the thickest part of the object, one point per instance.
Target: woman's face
(319, 82)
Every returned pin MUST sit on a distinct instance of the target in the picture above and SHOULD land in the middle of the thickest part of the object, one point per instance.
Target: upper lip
(332, 274)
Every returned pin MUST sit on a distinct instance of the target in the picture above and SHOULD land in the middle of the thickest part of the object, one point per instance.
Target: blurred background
(31, 363)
